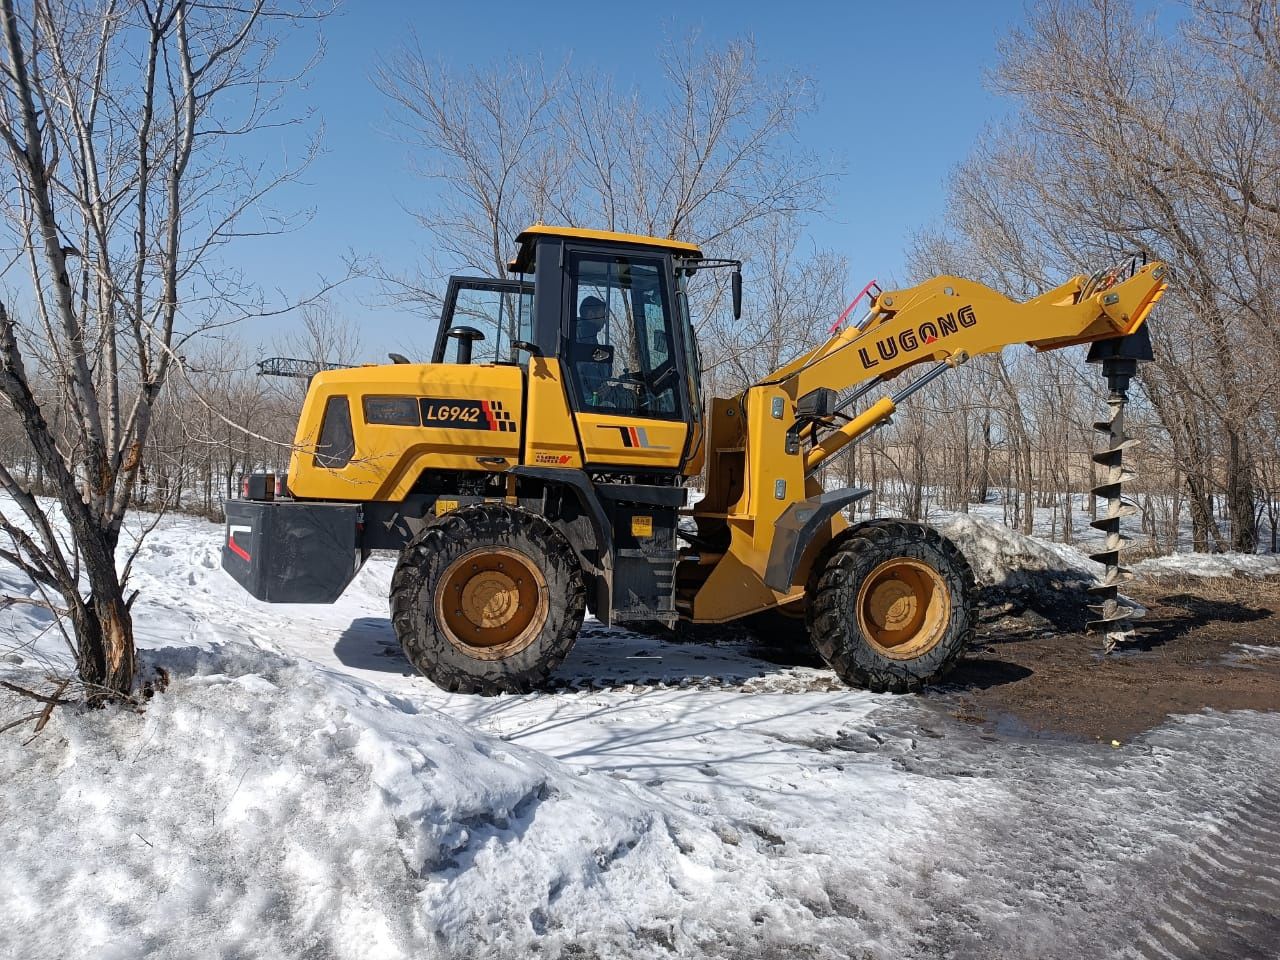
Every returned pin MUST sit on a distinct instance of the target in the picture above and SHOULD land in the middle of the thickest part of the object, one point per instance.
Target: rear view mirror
(736, 284)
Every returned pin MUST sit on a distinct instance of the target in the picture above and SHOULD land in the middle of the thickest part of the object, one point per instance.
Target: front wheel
(894, 606)
(488, 599)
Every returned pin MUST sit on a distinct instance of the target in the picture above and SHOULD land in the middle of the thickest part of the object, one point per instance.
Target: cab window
(620, 335)
(502, 310)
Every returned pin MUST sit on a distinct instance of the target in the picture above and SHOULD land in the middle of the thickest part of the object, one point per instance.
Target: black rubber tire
(833, 592)
(426, 559)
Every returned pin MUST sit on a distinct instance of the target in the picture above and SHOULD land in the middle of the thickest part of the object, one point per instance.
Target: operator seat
(587, 351)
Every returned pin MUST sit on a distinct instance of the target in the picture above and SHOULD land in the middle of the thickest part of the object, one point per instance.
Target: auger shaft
(1115, 613)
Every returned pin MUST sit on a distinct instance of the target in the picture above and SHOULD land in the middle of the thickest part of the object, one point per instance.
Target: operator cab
(612, 310)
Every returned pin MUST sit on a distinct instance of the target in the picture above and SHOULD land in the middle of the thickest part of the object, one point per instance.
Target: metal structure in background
(295, 368)
(1115, 613)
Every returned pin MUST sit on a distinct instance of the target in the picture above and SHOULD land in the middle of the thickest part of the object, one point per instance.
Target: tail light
(282, 486)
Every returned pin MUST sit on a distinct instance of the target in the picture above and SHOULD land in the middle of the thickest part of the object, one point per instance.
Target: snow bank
(1005, 559)
(1211, 565)
(267, 807)
(1008, 560)
(263, 807)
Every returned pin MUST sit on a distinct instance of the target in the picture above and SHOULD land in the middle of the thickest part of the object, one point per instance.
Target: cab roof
(530, 235)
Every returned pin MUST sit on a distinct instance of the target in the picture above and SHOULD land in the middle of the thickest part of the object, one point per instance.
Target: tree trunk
(915, 499)
(104, 630)
(1240, 495)
(1202, 522)
(103, 624)
(1028, 491)
(984, 472)
(873, 463)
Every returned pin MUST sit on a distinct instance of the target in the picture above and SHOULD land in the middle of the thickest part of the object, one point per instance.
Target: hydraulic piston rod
(869, 418)
(874, 415)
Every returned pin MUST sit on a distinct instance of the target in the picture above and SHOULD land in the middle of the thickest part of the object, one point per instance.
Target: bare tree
(1169, 149)
(1127, 136)
(486, 139)
(711, 156)
(118, 121)
(796, 292)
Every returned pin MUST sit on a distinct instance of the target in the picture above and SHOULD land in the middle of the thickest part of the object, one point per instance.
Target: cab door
(624, 359)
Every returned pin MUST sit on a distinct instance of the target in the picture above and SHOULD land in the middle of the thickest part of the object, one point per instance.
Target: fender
(796, 529)
(597, 557)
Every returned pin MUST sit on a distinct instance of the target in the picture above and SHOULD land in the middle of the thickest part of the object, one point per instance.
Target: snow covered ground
(297, 791)
(1211, 565)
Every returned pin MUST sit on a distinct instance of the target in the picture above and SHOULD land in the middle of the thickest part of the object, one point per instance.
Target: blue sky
(901, 102)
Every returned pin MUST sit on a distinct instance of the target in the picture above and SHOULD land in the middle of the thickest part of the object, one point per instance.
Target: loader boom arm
(948, 319)
(765, 445)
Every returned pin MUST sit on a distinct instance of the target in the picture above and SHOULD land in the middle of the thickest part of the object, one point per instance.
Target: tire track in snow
(640, 685)
(1224, 903)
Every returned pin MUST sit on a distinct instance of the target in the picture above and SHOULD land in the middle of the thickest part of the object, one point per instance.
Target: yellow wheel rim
(903, 608)
(492, 602)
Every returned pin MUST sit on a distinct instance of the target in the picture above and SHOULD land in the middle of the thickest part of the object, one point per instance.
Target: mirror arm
(710, 263)
(529, 348)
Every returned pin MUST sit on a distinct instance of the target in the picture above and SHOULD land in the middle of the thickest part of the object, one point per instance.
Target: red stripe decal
(635, 440)
(238, 550)
(488, 415)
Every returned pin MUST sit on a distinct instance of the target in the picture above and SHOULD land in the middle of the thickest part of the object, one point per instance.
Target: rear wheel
(488, 599)
(893, 607)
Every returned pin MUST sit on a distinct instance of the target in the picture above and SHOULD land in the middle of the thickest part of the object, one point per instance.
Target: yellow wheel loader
(537, 467)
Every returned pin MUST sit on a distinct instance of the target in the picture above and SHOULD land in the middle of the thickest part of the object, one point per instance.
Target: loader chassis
(536, 467)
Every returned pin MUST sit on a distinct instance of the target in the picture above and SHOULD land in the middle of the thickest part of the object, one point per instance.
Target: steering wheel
(654, 386)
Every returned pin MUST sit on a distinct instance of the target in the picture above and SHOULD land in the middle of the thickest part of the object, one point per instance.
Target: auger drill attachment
(1115, 613)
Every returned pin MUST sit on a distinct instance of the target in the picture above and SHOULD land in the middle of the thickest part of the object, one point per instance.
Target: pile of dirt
(1203, 644)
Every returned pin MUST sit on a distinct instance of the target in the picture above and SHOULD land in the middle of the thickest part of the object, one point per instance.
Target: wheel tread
(832, 593)
(430, 651)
